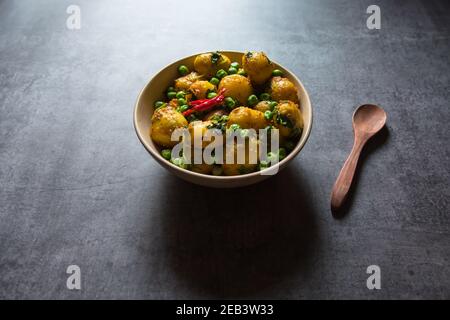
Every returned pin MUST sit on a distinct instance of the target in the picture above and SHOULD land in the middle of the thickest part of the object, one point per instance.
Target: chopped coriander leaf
(284, 121)
(215, 57)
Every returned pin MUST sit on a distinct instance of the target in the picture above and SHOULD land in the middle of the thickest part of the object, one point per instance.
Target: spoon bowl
(369, 119)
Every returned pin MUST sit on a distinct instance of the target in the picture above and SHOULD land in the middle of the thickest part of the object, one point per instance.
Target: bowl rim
(159, 157)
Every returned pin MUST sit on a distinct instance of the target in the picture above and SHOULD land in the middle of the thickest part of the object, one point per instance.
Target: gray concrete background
(78, 188)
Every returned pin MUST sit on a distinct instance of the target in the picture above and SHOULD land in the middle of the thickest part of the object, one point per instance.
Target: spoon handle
(345, 178)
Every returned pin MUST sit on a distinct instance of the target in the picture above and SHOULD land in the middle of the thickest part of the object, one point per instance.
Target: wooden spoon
(368, 119)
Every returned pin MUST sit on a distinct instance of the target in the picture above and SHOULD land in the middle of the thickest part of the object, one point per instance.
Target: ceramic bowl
(155, 90)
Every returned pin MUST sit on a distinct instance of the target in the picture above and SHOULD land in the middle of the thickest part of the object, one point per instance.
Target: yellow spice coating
(237, 87)
(283, 89)
(291, 114)
(205, 64)
(164, 122)
(258, 67)
(247, 118)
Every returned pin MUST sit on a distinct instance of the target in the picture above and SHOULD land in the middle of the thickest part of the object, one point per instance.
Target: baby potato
(234, 168)
(199, 126)
(263, 106)
(200, 88)
(237, 87)
(203, 167)
(209, 63)
(164, 122)
(247, 118)
(257, 66)
(283, 89)
(288, 119)
(184, 83)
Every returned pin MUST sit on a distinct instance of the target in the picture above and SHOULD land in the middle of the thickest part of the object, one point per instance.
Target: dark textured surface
(78, 188)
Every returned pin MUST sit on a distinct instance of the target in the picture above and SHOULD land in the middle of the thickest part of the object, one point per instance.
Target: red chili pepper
(197, 102)
(205, 104)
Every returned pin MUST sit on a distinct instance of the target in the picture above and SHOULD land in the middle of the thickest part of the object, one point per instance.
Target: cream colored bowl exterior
(154, 91)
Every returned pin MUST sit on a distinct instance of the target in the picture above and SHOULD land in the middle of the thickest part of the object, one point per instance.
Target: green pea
(268, 115)
(166, 154)
(264, 97)
(272, 156)
(232, 70)
(252, 100)
(183, 70)
(221, 73)
(181, 101)
(230, 103)
(282, 153)
(263, 165)
(244, 133)
(180, 162)
(211, 95)
(217, 170)
(184, 107)
(171, 95)
(235, 127)
(242, 72)
(159, 104)
(272, 105)
(214, 81)
(235, 65)
(170, 89)
(277, 73)
(180, 94)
